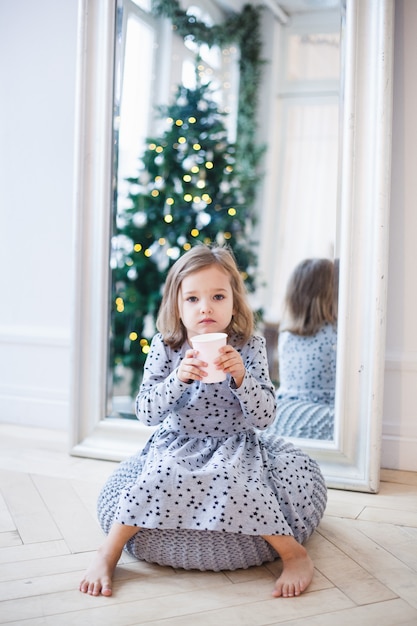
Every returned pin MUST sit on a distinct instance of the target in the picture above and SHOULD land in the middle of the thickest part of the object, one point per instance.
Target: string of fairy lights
(198, 163)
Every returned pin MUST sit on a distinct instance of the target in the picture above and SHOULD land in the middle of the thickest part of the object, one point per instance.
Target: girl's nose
(205, 306)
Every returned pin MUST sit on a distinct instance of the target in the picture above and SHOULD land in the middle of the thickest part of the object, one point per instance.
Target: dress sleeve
(161, 389)
(256, 394)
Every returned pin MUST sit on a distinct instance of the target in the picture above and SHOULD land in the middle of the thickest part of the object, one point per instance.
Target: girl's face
(205, 301)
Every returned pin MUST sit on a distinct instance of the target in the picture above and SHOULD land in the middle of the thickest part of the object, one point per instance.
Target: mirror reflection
(307, 350)
(183, 171)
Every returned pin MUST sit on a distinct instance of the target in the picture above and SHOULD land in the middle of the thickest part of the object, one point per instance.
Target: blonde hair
(311, 296)
(198, 258)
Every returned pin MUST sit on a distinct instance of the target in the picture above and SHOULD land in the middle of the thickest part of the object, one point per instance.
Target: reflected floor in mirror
(365, 553)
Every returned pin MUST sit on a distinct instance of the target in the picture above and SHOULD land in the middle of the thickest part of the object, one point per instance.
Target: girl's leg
(298, 568)
(98, 577)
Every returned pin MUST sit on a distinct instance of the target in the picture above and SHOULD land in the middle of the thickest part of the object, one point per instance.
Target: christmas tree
(189, 189)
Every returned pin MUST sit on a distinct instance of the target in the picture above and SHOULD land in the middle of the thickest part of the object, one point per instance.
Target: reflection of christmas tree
(188, 190)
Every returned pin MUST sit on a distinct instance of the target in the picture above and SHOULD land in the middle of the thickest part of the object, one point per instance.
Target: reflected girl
(307, 352)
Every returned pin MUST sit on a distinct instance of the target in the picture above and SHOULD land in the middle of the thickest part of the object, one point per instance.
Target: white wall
(37, 77)
(400, 401)
(37, 73)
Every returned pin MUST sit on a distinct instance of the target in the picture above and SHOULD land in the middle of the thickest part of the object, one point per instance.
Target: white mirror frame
(352, 460)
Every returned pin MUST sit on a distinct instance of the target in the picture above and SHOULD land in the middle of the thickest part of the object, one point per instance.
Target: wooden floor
(365, 552)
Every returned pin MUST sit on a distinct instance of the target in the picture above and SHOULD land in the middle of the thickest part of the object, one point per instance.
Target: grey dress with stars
(306, 395)
(209, 466)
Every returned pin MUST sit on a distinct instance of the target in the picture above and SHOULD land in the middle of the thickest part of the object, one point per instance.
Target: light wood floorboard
(365, 555)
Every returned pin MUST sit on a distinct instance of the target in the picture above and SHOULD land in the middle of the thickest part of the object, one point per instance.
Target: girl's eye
(219, 296)
(192, 299)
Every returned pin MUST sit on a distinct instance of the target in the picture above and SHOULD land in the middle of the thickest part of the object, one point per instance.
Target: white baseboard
(34, 376)
(37, 406)
(399, 453)
(34, 407)
(399, 426)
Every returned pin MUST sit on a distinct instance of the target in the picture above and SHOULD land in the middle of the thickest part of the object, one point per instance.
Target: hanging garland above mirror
(242, 29)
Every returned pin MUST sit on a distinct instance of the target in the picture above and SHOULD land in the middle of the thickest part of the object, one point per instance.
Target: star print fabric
(307, 366)
(208, 465)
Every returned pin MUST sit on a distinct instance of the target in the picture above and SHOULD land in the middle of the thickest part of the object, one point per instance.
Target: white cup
(208, 349)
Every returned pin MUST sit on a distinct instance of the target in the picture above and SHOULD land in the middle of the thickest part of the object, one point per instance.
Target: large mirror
(359, 182)
(273, 85)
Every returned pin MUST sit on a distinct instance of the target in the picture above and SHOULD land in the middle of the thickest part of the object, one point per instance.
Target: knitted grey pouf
(304, 420)
(187, 549)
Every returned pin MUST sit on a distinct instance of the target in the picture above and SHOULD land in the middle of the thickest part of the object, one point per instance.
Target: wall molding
(35, 335)
(400, 361)
(399, 452)
(49, 394)
(43, 407)
(34, 388)
(399, 432)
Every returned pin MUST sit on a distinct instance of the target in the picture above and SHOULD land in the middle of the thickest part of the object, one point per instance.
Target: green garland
(243, 29)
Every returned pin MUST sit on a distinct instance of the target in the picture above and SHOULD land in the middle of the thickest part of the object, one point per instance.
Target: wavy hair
(311, 296)
(198, 258)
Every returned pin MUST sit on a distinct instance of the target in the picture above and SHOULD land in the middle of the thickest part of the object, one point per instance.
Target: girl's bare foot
(297, 570)
(98, 577)
(296, 575)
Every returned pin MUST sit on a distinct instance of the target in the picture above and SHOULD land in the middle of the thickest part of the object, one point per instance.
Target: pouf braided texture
(304, 420)
(186, 549)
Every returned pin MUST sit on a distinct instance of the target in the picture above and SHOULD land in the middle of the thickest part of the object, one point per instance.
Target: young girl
(307, 352)
(207, 466)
